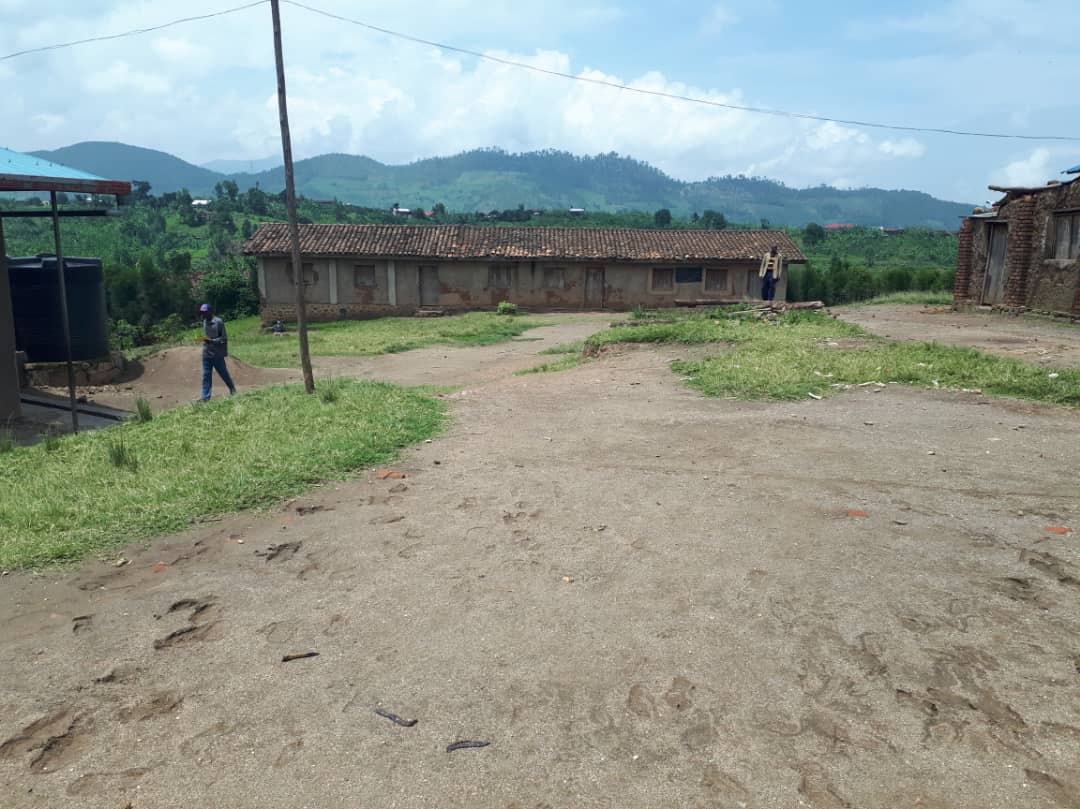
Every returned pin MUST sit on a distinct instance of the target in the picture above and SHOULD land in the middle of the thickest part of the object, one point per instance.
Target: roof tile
(491, 242)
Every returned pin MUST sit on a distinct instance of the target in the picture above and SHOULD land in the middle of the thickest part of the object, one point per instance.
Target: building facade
(1024, 252)
(354, 271)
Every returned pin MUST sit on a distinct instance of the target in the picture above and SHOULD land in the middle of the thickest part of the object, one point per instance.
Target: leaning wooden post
(290, 205)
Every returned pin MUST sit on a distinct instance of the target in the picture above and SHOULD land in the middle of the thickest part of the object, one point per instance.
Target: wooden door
(429, 285)
(594, 287)
(996, 269)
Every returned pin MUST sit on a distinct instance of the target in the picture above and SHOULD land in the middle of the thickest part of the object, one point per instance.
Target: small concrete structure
(354, 271)
(1024, 252)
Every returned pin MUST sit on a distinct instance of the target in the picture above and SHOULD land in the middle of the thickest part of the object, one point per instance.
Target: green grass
(564, 363)
(98, 490)
(575, 347)
(798, 354)
(366, 338)
(925, 298)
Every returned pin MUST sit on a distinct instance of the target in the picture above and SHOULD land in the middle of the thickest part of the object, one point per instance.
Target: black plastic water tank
(35, 301)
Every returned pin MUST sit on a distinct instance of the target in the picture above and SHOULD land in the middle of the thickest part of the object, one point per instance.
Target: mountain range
(492, 179)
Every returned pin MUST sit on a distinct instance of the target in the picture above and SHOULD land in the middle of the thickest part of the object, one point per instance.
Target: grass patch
(564, 363)
(98, 490)
(575, 347)
(924, 298)
(366, 338)
(789, 359)
(724, 326)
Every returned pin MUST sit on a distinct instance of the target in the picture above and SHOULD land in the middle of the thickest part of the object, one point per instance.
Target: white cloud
(720, 17)
(904, 147)
(1031, 170)
(120, 77)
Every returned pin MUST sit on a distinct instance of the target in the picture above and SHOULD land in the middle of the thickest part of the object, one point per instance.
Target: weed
(121, 455)
(506, 308)
(50, 439)
(7, 441)
(330, 390)
(143, 413)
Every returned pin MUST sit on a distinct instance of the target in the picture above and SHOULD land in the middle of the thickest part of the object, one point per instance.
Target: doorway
(594, 287)
(429, 285)
(996, 269)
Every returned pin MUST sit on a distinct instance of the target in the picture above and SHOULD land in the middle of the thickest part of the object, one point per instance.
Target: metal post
(290, 205)
(64, 313)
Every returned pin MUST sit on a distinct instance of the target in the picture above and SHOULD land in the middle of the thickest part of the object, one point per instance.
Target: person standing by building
(215, 350)
(772, 263)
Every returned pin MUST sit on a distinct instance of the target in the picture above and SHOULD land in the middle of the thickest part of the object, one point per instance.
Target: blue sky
(205, 90)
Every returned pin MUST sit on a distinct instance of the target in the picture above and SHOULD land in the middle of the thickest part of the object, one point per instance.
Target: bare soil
(1037, 340)
(638, 596)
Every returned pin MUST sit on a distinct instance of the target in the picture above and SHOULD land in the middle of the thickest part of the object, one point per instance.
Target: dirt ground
(638, 596)
(1032, 339)
(174, 376)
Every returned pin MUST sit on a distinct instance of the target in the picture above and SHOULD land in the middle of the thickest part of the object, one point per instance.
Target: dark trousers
(209, 365)
(768, 287)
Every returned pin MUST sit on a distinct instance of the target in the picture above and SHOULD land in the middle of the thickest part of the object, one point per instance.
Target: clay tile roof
(487, 242)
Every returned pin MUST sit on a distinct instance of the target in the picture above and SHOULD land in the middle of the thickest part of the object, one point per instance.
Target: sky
(206, 90)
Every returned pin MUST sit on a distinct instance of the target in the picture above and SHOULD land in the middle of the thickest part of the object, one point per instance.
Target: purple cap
(204, 308)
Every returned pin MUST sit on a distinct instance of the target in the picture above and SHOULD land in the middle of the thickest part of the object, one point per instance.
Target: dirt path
(173, 376)
(638, 596)
(1031, 339)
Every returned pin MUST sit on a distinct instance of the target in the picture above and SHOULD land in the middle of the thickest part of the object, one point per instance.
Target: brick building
(1024, 252)
(354, 271)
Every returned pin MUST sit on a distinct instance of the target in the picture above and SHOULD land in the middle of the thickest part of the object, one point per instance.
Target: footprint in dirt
(108, 783)
(202, 609)
(678, 696)
(280, 553)
(54, 741)
(161, 704)
(82, 623)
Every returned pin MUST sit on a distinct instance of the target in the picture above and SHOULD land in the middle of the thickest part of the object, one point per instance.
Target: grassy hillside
(491, 179)
(118, 161)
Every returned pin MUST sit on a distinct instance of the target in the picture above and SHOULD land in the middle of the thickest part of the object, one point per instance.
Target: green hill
(118, 161)
(491, 179)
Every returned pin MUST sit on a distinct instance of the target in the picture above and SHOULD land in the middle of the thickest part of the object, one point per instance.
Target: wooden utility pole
(61, 281)
(290, 205)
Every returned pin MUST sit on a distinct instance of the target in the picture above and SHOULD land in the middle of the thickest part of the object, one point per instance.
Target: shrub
(506, 308)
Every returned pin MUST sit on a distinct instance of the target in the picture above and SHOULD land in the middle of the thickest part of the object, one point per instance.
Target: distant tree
(256, 202)
(765, 223)
(227, 189)
(61, 198)
(140, 191)
(439, 209)
(662, 218)
(713, 220)
(247, 229)
(813, 234)
(694, 217)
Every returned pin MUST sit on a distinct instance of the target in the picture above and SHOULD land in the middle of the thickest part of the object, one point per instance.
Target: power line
(676, 96)
(548, 72)
(133, 32)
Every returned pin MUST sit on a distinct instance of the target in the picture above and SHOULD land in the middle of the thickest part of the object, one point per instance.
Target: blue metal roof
(23, 172)
(26, 165)
(1074, 170)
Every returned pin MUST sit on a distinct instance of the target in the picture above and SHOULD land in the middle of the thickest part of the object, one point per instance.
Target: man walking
(215, 350)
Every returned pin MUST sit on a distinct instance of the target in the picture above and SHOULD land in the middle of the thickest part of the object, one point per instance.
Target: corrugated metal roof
(24, 172)
(490, 242)
(1074, 170)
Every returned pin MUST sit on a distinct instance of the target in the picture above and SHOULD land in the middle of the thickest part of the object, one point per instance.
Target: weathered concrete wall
(473, 285)
(1034, 279)
(9, 372)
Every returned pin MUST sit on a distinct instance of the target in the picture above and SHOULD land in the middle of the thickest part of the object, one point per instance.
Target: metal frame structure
(56, 179)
